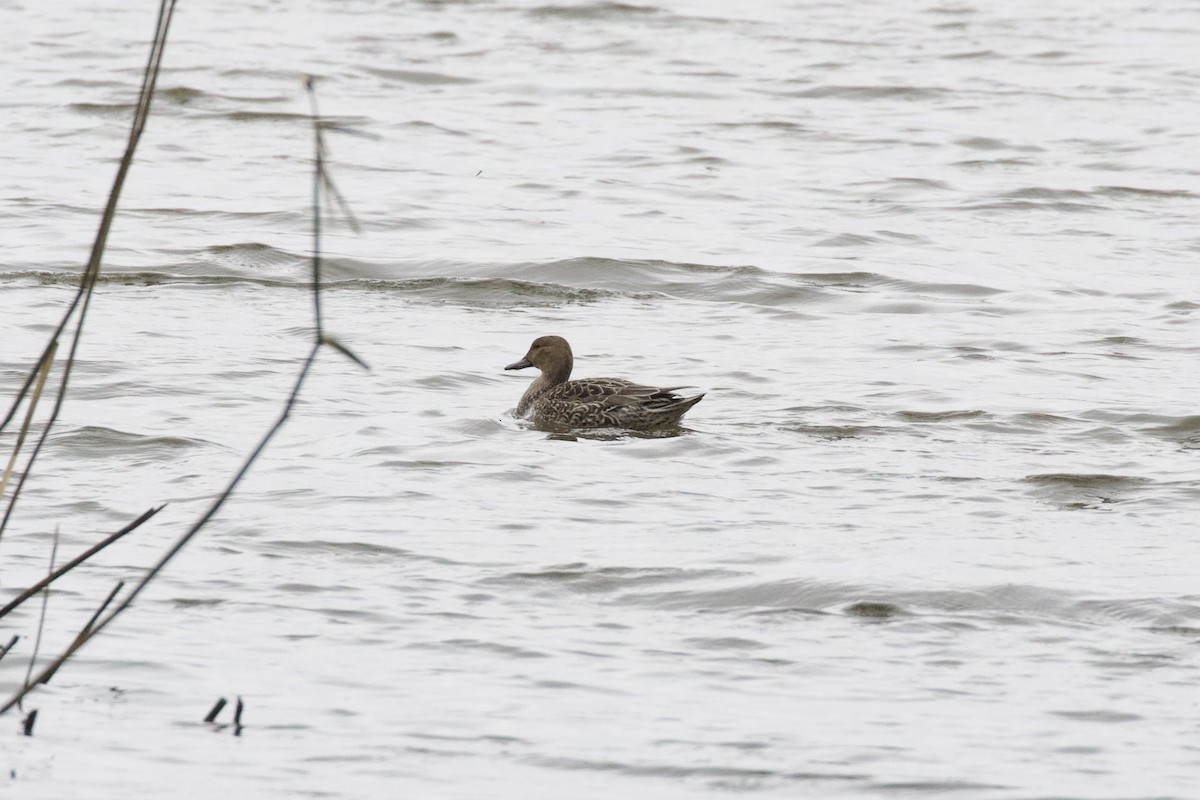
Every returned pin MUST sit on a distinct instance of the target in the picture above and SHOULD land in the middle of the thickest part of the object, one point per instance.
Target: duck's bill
(522, 364)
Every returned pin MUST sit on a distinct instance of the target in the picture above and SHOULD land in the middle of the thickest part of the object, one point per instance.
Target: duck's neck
(543, 383)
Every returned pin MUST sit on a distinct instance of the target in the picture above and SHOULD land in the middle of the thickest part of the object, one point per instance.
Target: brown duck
(555, 401)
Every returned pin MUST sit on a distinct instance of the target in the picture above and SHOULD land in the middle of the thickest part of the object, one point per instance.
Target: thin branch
(220, 501)
(75, 562)
(331, 192)
(346, 351)
(103, 622)
(111, 595)
(318, 175)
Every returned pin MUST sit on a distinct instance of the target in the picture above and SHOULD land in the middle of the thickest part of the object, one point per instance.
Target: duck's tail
(675, 406)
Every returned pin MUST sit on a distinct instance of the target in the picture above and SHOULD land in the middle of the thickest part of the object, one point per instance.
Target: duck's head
(550, 354)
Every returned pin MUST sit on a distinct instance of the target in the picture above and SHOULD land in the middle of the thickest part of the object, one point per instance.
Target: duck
(556, 402)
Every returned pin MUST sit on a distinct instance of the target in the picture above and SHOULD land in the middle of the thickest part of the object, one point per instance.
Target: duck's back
(611, 403)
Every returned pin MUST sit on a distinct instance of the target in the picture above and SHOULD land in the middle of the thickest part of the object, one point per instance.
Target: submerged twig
(216, 709)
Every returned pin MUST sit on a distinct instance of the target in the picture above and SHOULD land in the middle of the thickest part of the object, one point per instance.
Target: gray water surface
(930, 533)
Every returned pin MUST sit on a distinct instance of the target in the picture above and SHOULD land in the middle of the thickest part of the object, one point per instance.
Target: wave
(871, 92)
(592, 11)
(92, 441)
(571, 280)
(727, 591)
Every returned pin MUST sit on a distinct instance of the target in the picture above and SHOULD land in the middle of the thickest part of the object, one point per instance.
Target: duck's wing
(616, 392)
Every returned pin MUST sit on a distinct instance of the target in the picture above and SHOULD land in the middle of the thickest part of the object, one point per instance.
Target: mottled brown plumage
(555, 401)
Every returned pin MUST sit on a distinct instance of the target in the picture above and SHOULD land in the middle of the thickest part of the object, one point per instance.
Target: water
(929, 533)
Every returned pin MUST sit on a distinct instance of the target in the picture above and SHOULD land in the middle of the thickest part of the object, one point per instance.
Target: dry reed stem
(37, 642)
(91, 273)
(43, 371)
